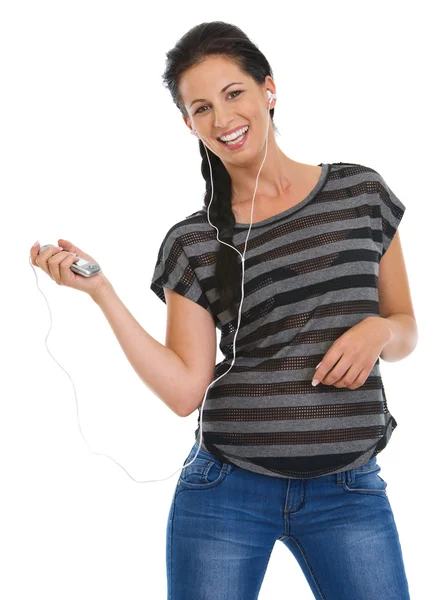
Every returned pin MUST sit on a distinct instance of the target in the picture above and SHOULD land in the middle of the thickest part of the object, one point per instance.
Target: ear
(186, 120)
(270, 85)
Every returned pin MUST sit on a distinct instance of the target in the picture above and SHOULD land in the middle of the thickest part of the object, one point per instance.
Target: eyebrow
(223, 90)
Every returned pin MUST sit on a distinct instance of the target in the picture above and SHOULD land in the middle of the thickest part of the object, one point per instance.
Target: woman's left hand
(354, 354)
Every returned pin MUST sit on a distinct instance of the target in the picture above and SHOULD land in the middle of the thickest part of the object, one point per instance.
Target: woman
(311, 273)
(281, 459)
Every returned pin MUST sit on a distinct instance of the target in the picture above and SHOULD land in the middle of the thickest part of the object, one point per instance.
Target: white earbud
(271, 96)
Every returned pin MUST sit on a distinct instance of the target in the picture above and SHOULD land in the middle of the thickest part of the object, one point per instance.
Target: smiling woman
(272, 441)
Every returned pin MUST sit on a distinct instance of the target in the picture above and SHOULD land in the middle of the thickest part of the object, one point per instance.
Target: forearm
(160, 368)
(402, 336)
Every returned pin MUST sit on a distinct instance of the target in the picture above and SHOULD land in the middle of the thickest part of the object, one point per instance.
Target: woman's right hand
(56, 264)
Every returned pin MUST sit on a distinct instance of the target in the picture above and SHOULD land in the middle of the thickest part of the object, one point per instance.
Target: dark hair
(228, 41)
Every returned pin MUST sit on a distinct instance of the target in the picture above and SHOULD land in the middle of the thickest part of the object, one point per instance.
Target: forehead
(213, 73)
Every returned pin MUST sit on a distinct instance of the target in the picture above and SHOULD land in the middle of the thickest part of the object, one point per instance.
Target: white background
(93, 150)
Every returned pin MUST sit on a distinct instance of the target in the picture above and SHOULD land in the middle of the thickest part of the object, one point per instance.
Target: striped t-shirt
(311, 273)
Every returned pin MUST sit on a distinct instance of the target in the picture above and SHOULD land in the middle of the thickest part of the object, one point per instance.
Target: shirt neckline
(321, 181)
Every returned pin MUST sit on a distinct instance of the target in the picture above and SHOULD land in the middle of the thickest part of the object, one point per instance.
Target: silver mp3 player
(81, 267)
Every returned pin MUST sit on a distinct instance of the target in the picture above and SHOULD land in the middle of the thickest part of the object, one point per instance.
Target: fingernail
(35, 244)
(315, 382)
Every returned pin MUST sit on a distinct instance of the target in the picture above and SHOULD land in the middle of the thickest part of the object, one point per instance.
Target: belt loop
(340, 477)
(350, 476)
(347, 477)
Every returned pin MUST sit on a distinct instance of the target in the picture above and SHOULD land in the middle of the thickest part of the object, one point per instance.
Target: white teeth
(236, 141)
(235, 135)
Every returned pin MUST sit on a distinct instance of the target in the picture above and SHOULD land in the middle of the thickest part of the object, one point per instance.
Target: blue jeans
(224, 522)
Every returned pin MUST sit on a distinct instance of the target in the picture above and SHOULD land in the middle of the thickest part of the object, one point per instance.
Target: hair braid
(220, 213)
(229, 41)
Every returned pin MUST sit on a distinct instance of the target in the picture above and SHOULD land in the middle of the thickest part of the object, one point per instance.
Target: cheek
(260, 122)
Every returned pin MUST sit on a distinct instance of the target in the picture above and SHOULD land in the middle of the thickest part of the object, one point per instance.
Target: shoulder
(186, 225)
(349, 169)
(191, 236)
(357, 174)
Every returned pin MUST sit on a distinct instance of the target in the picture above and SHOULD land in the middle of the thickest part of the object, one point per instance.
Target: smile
(234, 144)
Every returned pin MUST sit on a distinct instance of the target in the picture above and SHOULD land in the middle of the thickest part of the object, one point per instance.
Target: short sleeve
(173, 270)
(392, 211)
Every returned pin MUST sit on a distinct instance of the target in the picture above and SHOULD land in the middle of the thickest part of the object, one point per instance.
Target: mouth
(238, 142)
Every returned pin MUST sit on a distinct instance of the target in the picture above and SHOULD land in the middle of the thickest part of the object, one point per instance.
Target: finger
(339, 371)
(323, 369)
(54, 265)
(43, 258)
(346, 379)
(34, 253)
(359, 380)
(66, 275)
(68, 246)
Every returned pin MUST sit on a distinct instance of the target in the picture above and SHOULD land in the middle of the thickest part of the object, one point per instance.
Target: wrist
(102, 292)
(386, 328)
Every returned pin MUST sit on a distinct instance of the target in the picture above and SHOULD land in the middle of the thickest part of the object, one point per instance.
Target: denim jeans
(224, 521)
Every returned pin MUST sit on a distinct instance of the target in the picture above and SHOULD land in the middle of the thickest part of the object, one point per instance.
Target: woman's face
(219, 97)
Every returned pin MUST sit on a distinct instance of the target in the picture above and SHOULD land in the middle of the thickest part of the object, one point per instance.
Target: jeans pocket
(205, 471)
(365, 481)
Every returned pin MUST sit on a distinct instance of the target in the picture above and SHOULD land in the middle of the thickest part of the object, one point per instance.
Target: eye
(234, 92)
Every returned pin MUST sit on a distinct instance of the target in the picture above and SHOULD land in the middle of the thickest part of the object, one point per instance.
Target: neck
(277, 177)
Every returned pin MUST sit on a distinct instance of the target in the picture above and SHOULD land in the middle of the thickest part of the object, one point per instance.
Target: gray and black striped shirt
(311, 273)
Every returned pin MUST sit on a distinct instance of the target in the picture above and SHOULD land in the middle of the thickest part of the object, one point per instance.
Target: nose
(222, 118)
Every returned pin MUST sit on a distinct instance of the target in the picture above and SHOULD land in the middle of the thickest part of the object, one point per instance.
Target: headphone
(271, 97)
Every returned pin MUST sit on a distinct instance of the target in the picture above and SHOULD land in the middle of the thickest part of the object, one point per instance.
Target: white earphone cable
(271, 97)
